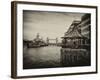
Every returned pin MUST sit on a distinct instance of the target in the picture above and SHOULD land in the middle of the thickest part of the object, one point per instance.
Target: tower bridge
(54, 43)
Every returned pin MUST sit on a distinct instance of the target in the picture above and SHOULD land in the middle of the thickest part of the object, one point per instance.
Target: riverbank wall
(75, 57)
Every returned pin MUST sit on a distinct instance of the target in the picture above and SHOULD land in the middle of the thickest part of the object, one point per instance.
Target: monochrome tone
(56, 39)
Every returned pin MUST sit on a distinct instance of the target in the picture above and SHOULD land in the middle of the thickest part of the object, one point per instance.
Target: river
(43, 57)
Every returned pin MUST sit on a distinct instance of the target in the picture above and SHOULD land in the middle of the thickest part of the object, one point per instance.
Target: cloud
(48, 24)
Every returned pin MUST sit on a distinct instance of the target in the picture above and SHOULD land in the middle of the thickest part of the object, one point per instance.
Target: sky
(47, 24)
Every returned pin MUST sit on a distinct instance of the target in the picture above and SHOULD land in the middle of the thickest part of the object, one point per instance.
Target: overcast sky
(47, 24)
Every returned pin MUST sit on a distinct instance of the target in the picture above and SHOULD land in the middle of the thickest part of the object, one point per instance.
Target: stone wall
(75, 57)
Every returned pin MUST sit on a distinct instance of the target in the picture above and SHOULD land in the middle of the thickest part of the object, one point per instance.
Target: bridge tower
(47, 40)
(56, 40)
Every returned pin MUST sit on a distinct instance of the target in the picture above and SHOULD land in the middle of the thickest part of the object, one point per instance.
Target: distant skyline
(47, 24)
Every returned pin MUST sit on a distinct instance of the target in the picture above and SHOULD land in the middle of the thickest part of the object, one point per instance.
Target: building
(73, 38)
(85, 27)
(78, 32)
(76, 43)
(72, 26)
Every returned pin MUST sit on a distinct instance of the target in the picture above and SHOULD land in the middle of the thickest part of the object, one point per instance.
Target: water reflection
(44, 57)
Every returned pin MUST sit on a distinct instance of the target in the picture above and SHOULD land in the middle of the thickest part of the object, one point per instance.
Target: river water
(43, 57)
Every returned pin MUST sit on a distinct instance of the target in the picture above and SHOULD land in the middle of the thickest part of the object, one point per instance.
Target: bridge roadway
(54, 44)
